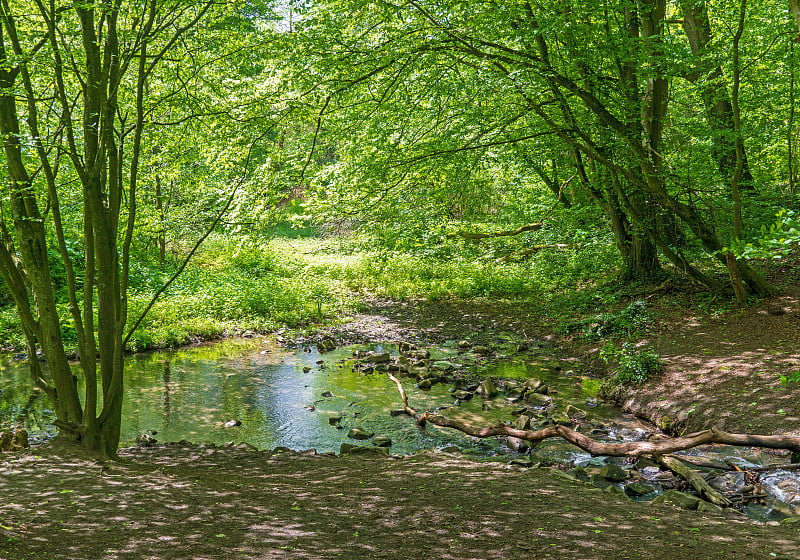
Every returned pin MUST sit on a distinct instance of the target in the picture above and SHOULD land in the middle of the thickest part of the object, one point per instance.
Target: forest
(598, 172)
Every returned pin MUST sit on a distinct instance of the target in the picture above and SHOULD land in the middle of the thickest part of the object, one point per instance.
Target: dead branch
(623, 449)
(691, 476)
(506, 233)
(518, 256)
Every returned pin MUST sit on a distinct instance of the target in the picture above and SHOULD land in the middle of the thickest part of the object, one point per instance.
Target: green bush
(634, 367)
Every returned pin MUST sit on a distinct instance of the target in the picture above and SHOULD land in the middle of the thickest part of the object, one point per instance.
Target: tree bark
(714, 94)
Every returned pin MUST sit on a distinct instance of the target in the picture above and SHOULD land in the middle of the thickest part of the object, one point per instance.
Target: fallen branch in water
(697, 481)
(623, 449)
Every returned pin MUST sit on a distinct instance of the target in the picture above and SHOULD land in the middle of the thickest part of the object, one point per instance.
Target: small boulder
(359, 433)
(522, 422)
(613, 472)
(382, 441)
(335, 420)
(233, 423)
(145, 440)
(575, 412)
(462, 395)
(426, 383)
(488, 389)
(380, 357)
(537, 399)
(636, 489)
(678, 499)
(534, 384)
(703, 505)
(517, 445)
(306, 369)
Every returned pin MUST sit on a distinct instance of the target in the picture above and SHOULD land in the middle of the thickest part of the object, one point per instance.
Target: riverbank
(180, 503)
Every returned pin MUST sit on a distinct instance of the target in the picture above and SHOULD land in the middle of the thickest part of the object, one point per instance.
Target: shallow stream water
(304, 399)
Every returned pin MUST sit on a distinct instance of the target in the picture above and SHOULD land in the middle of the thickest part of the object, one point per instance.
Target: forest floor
(721, 368)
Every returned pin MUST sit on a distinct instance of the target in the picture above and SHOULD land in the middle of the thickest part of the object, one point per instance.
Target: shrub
(634, 366)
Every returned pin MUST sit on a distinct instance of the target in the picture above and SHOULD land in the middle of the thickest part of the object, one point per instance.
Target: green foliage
(634, 367)
(776, 241)
(793, 377)
(633, 318)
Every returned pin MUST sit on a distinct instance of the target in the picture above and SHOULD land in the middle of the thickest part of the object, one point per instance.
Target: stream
(263, 394)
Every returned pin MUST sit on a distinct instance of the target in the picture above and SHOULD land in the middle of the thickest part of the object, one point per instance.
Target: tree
(73, 110)
(434, 88)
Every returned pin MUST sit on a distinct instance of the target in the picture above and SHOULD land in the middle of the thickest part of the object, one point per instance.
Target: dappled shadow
(204, 503)
(725, 372)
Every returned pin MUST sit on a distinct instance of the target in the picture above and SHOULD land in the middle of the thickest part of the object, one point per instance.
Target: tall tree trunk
(714, 94)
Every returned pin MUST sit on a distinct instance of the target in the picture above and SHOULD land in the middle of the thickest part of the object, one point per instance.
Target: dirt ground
(199, 503)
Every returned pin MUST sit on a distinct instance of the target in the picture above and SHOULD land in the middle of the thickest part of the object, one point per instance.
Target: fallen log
(623, 449)
(691, 476)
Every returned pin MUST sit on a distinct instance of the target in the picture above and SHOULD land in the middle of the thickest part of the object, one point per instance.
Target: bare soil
(197, 503)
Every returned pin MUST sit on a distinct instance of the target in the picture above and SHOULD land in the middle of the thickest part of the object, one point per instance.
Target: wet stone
(636, 489)
(537, 399)
(359, 433)
(677, 499)
(613, 472)
(382, 441)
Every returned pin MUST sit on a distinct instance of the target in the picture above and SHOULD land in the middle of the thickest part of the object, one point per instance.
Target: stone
(522, 422)
(599, 481)
(306, 369)
(462, 395)
(327, 394)
(790, 521)
(488, 389)
(145, 440)
(575, 412)
(380, 358)
(703, 505)
(233, 423)
(561, 419)
(524, 463)
(359, 433)
(403, 347)
(382, 441)
(326, 344)
(591, 402)
(537, 399)
(636, 489)
(346, 448)
(613, 472)
(427, 383)
(464, 344)
(533, 384)
(443, 365)
(5, 441)
(335, 420)
(368, 451)
(517, 445)
(20, 440)
(561, 474)
(678, 499)
(579, 473)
